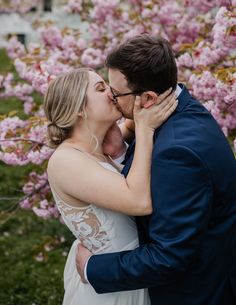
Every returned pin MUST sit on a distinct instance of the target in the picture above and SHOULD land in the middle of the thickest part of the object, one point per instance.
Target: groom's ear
(148, 98)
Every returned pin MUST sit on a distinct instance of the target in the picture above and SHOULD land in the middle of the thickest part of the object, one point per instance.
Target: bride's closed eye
(101, 87)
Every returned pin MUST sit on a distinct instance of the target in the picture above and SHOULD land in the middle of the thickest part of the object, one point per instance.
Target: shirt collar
(178, 90)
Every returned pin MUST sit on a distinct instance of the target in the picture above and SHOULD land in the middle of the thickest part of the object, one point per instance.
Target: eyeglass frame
(115, 96)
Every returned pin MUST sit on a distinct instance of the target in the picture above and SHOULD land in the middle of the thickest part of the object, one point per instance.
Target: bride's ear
(148, 98)
(80, 114)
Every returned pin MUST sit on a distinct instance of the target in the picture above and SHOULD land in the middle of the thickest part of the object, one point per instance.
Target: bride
(95, 200)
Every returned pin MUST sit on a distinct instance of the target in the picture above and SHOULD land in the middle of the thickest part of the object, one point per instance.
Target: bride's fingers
(137, 103)
(170, 110)
(164, 113)
(168, 105)
(163, 96)
(166, 101)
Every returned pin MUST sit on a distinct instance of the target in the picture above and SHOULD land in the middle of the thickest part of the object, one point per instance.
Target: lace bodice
(99, 229)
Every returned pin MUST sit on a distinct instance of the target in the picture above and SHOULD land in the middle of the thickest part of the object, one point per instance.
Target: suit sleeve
(182, 197)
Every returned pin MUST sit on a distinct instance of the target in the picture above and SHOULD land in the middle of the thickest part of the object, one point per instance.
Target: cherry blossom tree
(203, 36)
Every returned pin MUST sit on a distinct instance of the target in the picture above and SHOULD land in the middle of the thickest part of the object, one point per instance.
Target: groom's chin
(128, 116)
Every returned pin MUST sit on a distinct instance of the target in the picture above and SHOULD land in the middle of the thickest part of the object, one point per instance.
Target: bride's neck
(88, 140)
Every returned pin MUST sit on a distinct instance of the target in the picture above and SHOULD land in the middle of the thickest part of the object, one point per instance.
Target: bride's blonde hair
(64, 99)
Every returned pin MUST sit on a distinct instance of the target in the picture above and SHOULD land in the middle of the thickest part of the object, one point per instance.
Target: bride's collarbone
(99, 158)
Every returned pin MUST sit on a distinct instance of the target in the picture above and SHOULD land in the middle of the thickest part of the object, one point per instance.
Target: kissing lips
(117, 106)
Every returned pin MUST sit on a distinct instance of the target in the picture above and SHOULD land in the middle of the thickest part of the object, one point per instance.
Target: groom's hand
(82, 256)
(113, 144)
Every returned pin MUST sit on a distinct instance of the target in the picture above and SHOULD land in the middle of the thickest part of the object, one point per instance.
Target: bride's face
(100, 107)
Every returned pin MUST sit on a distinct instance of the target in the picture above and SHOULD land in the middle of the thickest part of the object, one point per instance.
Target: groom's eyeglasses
(115, 96)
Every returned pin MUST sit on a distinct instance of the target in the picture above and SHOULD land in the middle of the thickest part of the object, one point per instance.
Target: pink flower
(42, 213)
(81, 44)
(51, 36)
(185, 60)
(74, 6)
(15, 49)
(92, 58)
(43, 204)
(25, 204)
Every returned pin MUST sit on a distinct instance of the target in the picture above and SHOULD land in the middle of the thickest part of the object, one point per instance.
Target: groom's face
(119, 85)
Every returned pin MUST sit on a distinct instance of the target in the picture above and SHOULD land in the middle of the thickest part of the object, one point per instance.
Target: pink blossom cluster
(224, 31)
(218, 46)
(37, 192)
(22, 91)
(60, 53)
(204, 5)
(201, 32)
(23, 141)
(18, 6)
(178, 24)
(15, 49)
(208, 67)
(219, 98)
(74, 6)
(102, 9)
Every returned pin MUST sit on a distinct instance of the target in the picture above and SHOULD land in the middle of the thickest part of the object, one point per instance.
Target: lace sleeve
(85, 225)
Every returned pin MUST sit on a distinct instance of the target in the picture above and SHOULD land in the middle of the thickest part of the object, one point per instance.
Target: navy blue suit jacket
(187, 252)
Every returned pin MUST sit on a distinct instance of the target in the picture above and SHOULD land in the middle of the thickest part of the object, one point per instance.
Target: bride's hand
(158, 113)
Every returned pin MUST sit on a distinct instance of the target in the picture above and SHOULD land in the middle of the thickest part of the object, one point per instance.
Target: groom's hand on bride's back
(82, 256)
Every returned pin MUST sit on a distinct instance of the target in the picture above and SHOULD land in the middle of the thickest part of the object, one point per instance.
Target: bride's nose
(109, 94)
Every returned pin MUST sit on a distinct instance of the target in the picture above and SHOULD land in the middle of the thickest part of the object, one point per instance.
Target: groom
(187, 252)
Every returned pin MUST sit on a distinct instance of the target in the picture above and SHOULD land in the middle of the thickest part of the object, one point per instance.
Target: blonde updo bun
(56, 135)
(64, 99)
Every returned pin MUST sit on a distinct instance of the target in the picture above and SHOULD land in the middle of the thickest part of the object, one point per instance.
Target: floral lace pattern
(85, 224)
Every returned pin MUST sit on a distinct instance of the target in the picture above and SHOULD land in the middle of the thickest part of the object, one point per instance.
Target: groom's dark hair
(148, 63)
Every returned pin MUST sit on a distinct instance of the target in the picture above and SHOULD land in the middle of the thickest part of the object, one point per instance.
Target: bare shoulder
(70, 163)
(65, 166)
(62, 165)
(67, 163)
(63, 157)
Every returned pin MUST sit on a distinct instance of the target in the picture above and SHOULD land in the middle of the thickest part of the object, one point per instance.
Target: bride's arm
(82, 177)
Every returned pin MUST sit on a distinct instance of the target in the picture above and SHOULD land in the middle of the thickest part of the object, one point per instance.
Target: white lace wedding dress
(101, 231)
